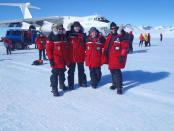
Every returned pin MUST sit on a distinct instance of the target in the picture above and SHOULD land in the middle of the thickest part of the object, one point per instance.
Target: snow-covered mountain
(167, 31)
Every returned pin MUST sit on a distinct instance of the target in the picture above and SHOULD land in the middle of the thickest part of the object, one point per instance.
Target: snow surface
(26, 103)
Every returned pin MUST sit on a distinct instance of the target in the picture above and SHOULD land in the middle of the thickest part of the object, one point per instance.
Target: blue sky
(136, 12)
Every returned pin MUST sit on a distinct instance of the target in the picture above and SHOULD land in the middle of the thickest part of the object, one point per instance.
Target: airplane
(44, 24)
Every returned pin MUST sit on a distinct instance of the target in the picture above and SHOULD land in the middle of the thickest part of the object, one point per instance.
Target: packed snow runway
(147, 104)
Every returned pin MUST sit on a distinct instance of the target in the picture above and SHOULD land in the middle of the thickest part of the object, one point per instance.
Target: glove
(51, 62)
(121, 59)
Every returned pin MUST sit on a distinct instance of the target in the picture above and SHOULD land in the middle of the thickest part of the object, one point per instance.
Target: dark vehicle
(19, 38)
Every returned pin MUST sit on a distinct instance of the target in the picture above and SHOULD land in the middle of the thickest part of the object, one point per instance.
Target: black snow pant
(35, 46)
(161, 39)
(116, 78)
(8, 50)
(40, 54)
(81, 74)
(141, 43)
(58, 74)
(95, 74)
(146, 43)
(130, 47)
(149, 44)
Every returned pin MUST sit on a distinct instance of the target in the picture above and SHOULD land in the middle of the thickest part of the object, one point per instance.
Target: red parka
(41, 42)
(149, 37)
(77, 47)
(57, 49)
(8, 42)
(119, 47)
(94, 49)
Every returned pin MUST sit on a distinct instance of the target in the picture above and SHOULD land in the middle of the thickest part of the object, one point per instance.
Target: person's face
(60, 30)
(76, 28)
(55, 29)
(113, 29)
(94, 34)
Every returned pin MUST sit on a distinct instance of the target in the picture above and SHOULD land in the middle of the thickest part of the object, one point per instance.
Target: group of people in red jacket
(146, 39)
(73, 48)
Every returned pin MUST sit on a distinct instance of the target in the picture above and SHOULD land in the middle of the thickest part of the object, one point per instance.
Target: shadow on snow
(135, 78)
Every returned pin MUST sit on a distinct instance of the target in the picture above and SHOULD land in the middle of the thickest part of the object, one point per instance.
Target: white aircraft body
(44, 24)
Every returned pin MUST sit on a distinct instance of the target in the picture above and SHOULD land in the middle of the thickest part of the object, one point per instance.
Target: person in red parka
(115, 54)
(131, 38)
(76, 39)
(94, 45)
(149, 39)
(57, 51)
(141, 38)
(7, 44)
(41, 44)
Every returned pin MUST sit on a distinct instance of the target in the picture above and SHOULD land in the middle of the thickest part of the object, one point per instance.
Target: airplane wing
(33, 21)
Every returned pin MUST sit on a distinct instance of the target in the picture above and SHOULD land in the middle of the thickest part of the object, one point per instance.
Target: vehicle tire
(18, 45)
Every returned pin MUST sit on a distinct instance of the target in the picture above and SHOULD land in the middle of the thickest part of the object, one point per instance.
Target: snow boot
(119, 91)
(63, 87)
(71, 88)
(112, 87)
(55, 92)
(94, 86)
(83, 85)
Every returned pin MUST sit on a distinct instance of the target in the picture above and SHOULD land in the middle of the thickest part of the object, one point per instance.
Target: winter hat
(113, 25)
(59, 25)
(76, 23)
(92, 29)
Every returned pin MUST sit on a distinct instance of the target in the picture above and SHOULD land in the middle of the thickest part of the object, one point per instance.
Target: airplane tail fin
(24, 8)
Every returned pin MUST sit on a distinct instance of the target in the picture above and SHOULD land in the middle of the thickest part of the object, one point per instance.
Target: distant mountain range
(167, 31)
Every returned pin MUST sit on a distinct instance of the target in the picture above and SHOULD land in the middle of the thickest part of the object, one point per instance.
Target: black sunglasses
(113, 28)
(60, 29)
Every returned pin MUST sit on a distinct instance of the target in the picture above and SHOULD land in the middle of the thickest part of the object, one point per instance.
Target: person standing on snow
(58, 52)
(149, 38)
(41, 44)
(146, 39)
(161, 37)
(131, 38)
(115, 55)
(28, 38)
(76, 39)
(141, 38)
(94, 45)
(7, 44)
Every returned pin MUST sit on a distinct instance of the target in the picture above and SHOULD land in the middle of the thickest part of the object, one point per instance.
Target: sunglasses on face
(60, 29)
(113, 28)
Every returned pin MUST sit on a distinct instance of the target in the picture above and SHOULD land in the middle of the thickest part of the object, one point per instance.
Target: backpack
(37, 62)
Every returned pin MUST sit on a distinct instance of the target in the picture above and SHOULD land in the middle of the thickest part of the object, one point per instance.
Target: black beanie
(113, 25)
(93, 29)
(76, 23)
